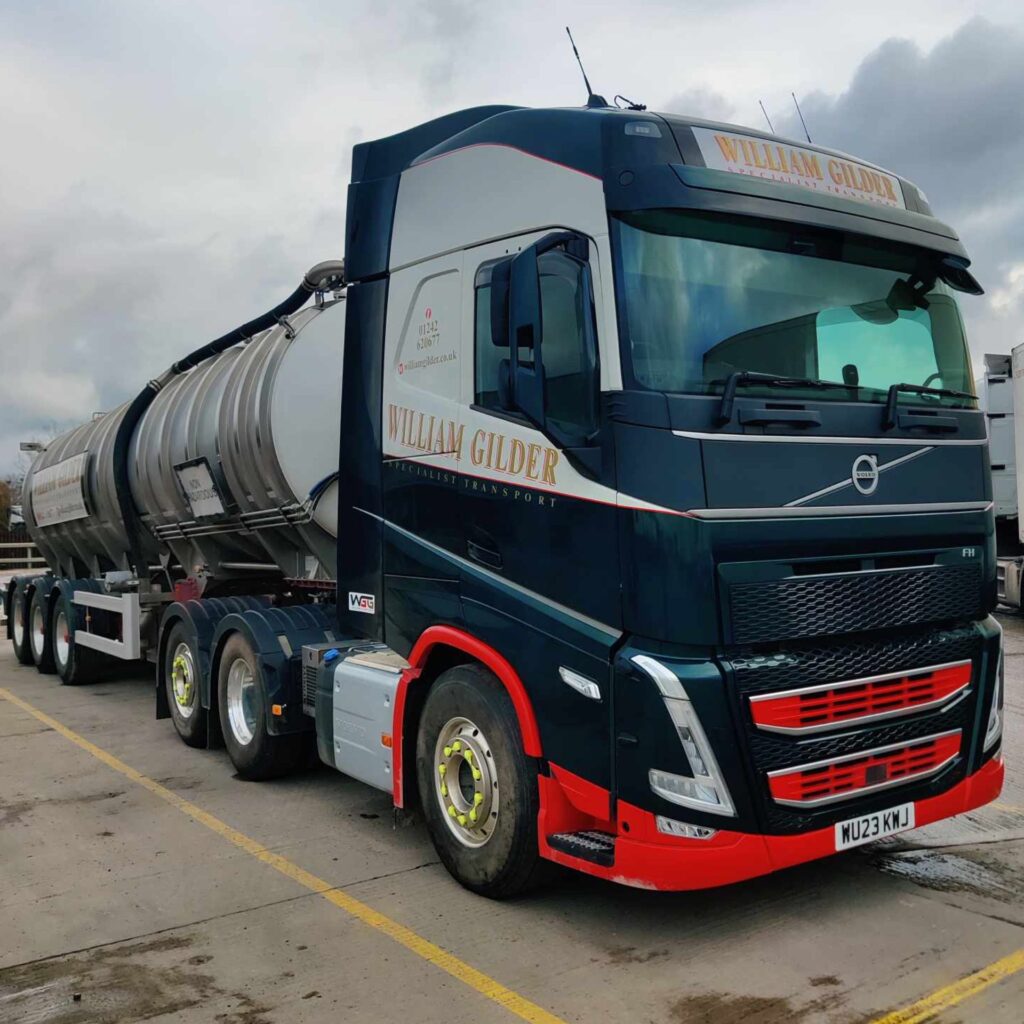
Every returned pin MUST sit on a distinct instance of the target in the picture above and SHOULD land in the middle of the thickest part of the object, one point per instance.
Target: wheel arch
(438, 649)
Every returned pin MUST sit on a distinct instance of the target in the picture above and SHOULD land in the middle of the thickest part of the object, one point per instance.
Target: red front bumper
(647, 859)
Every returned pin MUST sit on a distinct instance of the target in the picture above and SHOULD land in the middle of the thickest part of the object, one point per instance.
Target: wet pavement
(116, 906)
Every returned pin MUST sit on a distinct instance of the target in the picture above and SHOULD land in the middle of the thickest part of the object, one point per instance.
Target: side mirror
(525, 329)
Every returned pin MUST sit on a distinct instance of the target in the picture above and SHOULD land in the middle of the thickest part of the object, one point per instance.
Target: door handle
(484, 555)
(935, 424)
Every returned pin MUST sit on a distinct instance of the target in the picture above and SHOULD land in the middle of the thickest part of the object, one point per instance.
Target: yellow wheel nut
(478, 799)
(447, 751)
(441, 769)
(462, 819)
(468, 755)
(451, 811)
(444, 789)
(472, 815)
(476, 774)
(457, 746)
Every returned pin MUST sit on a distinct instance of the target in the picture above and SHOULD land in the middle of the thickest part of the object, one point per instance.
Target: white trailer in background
(1002, 391)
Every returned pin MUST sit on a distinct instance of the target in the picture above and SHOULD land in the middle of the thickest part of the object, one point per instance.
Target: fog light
(670, 827)
(705, 789)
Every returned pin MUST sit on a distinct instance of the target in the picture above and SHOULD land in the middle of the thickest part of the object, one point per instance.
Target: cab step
(596, 847)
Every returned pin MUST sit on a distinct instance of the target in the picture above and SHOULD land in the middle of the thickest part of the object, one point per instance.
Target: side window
(570, 393)
(488, 356)
(565, 313)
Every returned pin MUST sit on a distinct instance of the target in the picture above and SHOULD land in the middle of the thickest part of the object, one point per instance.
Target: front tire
(40, 637)
(20, 627)
(181, 674)
(242, 701)
(477, 787)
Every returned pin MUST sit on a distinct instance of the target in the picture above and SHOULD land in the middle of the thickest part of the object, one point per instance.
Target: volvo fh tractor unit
(620, 501)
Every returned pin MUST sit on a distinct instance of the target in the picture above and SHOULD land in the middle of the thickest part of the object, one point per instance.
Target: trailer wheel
(242, 701)
(181, 674)
(20, 627)
(75, 664)
(40, 638)
(477, 787)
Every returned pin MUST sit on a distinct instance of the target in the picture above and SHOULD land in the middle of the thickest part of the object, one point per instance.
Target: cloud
(700, 102)
(951, 120)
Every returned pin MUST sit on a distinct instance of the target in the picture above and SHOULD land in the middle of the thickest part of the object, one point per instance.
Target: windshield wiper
(915, 389)
(741, 378)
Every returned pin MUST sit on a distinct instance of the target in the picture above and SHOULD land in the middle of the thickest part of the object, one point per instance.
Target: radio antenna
(802, 121)
(766, 117)
(593, 100)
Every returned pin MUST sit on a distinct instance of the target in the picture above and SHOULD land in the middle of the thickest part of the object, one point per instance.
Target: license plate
(868, 827)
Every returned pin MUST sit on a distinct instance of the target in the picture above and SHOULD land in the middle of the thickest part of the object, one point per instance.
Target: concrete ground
(122, 899)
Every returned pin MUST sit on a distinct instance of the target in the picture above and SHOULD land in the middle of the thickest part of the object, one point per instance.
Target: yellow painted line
(952, 995)
(433, 954)
(1000, 806)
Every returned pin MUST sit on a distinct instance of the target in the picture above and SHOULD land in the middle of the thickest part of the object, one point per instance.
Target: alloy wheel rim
(61, 638)
(18, 614)
(466, 782)
(242, 701)
(38, 632)
(183, 680)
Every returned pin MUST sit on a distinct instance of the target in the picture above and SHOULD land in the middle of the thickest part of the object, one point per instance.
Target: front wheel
(477, 787)
(242, 700)
(40, 638)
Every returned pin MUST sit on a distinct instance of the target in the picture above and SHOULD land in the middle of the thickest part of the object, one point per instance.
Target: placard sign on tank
(58, 492)
(795, 165)
(200, 490)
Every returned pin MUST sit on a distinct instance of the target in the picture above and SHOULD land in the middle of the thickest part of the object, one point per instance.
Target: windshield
(706, 296)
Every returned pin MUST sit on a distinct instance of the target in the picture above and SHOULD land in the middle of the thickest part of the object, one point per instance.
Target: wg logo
(361, 603)
(865, 473)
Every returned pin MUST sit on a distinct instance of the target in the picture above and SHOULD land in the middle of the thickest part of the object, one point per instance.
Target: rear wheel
(20, 627)
(40, 638)
(75, 664)
(242, 701)
(181, 672)
(477, 787)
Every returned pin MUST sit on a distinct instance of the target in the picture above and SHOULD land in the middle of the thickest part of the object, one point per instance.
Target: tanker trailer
(232, 491)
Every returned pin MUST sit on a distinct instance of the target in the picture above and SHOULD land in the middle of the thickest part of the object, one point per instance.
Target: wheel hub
(183, 680)
(38, 631)
(242, 696)
(61, 638)
(466, 782)
(18, 615)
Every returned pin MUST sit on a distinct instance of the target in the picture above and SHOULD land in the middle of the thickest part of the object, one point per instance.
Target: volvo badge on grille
(865, 473)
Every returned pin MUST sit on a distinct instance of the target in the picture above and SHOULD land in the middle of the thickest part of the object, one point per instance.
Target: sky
(171, 168)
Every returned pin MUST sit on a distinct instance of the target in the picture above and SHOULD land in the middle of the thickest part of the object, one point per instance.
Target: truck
(621, 502)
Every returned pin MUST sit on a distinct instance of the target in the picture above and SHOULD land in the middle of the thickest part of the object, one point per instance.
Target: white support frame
(129, 648)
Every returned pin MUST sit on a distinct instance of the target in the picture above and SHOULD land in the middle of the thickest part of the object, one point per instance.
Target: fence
(20, 556)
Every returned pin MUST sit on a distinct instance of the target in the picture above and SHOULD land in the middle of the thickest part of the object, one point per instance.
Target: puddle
(945, 872)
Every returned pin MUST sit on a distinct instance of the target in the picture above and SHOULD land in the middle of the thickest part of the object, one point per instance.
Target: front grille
(827, 605)
(819, 708)
(812, 785)
(800, 665)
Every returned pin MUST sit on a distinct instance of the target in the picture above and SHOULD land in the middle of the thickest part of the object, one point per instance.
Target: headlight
(995, 716)
(704, 790)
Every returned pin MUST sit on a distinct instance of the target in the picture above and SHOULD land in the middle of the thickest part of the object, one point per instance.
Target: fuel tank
(232, 468)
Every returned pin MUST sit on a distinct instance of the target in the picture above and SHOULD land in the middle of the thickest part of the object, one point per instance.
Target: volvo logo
(865, 473)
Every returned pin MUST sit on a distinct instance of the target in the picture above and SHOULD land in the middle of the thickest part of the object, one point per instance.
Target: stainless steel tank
(232, 468)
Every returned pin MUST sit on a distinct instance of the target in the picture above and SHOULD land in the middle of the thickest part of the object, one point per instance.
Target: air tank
(232, 468)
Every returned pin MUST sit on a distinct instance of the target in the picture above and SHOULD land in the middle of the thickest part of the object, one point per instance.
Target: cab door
(537, 498)
(421, 439)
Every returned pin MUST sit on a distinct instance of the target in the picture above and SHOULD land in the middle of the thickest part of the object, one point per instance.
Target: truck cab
(671, 425)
